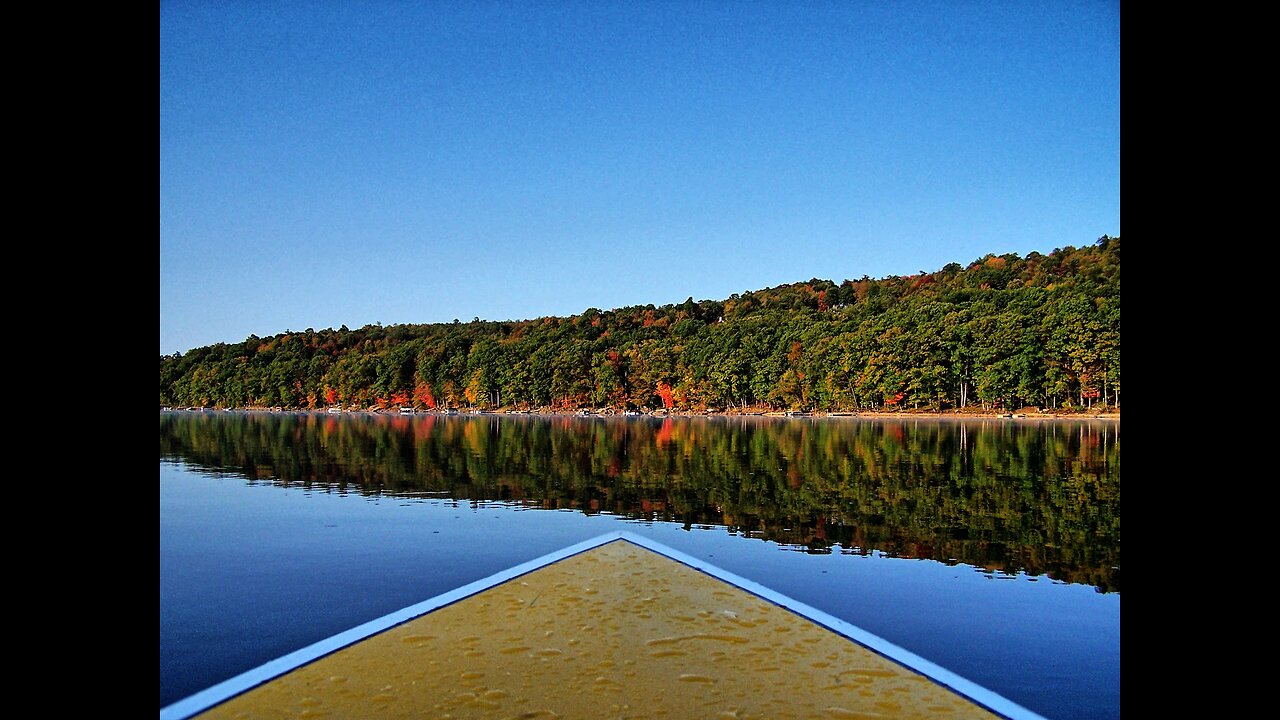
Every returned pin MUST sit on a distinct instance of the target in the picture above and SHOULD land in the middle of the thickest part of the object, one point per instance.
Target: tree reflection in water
(1041, 497)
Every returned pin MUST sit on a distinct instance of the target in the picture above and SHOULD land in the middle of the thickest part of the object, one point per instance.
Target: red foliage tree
(665, 392)
(422, 393)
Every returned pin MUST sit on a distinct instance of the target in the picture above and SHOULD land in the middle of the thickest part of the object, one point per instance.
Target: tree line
(1004, 332)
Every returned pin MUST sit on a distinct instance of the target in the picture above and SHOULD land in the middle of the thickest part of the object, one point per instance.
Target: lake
(988, 546)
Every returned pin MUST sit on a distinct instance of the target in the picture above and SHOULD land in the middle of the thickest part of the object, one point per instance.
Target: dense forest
(1004, 332)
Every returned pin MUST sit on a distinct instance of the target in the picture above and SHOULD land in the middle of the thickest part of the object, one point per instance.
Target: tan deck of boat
(618, 631)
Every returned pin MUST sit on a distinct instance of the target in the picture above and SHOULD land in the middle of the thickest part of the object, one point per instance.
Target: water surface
(990, 547)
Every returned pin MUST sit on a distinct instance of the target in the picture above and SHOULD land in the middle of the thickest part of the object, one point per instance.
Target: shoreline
(1023, 414)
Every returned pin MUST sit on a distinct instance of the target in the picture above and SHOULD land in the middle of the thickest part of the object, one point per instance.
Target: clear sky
(329, 163)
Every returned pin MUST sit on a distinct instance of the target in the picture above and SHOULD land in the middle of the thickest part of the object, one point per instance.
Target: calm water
(990, 547)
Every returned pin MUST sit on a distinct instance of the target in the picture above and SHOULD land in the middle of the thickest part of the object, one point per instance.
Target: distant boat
(334, 410)
(407, 411)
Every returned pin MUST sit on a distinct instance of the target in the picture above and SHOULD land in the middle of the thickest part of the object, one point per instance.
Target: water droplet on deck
(685, 638)
(853, 714)
(868, 672)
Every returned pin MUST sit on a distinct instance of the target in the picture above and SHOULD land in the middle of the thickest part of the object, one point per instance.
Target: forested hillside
(1006, 331)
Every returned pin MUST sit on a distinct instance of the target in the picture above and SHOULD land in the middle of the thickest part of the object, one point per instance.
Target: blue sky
(326, 163)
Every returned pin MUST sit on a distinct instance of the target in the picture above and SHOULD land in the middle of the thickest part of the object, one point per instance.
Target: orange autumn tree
(422, 394)
(665, 392)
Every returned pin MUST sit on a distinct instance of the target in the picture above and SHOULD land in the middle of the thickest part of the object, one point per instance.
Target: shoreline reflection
(1040, 498)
